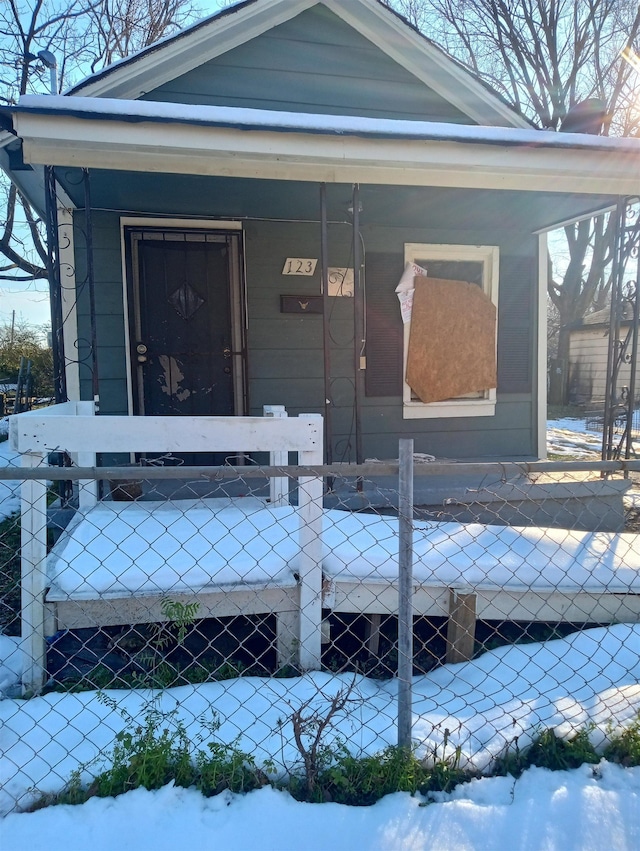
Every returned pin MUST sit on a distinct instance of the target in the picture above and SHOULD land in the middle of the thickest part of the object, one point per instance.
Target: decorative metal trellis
(618, 421)
(57, 242)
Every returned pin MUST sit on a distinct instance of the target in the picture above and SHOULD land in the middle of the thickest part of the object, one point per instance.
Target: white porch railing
(71, 427)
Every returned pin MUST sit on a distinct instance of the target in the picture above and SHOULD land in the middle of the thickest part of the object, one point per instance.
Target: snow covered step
(147, 548)
(116, 563)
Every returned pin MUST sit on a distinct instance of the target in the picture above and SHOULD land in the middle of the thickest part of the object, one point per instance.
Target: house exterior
(236, 205)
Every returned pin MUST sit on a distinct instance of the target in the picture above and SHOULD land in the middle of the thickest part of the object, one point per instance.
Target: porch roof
(156, 137)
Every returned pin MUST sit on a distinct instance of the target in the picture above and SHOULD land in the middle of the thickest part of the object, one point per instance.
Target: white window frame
(489, 256)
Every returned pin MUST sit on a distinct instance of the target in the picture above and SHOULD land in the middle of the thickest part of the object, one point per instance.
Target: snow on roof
(603, 317)
(301, 122)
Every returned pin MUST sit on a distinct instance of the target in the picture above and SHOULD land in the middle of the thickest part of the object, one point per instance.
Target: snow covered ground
(590, 679)
(569, 436)
(581, 810)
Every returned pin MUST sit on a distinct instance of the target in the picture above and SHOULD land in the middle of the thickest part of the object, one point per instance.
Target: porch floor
(150, 548)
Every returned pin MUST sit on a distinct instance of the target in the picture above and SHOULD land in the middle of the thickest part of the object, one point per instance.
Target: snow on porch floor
(143, 548)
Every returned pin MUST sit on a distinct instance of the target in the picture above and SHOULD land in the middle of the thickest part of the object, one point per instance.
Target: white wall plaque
(299, 266)
(340, 281)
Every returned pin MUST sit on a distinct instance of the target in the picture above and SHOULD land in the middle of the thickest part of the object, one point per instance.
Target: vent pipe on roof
(588, 116)
(49, 60)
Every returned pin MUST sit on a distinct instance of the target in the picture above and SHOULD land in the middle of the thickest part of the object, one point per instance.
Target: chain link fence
(193, 592)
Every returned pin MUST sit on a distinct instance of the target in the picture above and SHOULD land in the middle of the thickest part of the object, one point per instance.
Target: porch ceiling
(400, 206)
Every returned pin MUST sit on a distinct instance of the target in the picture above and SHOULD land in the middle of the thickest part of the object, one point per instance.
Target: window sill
(442, 410)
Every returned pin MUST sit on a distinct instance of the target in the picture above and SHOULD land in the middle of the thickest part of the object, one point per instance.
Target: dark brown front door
(182, 342)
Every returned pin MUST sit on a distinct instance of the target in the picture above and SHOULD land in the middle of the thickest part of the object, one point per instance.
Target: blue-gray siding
(285, 357)
(313, 63)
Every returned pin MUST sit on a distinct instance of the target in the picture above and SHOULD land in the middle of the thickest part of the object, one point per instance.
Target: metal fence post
(405, 591)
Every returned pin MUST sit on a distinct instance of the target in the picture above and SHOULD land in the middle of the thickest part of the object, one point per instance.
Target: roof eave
(29, 180)
(295, 155)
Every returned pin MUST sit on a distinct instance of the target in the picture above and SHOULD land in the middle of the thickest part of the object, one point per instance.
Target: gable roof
(178, 54)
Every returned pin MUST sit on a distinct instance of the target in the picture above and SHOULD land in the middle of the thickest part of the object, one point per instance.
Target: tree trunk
(559, 370)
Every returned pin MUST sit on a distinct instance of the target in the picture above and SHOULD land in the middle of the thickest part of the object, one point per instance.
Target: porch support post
(326, 319)
(543, 321)
(87, 488)
(278, 487)
(33, 574)
(613, 365)
(55, 288)
(310, 510)
(88, 224)
(358, 327)
(634, 300)
(287, 631)
(461, 627)
(68, 295)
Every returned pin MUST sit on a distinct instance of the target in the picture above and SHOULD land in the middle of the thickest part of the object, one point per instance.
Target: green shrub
(549, 751)
(159, 751)
(361, 781)
(625, 748)
(156, 752)
(227, 767)
(149, 757)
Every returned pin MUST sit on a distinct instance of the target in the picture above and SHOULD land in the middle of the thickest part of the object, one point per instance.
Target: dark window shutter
(383, 376)
(515, 323)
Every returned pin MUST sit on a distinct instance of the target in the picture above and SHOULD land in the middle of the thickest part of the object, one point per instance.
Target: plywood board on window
(452, 343)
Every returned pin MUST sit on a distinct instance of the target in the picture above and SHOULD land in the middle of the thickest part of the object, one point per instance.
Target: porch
(118, 563)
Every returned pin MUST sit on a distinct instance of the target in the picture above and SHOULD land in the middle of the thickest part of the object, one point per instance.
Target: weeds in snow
(625, 748)
(549, 751)
(158, 751)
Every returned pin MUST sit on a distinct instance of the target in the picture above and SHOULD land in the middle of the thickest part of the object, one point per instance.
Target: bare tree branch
(83, 35)
(546, 56)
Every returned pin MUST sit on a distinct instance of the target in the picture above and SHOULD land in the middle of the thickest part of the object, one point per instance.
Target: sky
(30, 305)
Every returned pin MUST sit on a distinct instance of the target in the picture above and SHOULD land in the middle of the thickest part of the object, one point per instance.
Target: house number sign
(299, 266)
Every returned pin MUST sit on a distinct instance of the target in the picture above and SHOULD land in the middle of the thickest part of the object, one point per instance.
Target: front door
(186, 340)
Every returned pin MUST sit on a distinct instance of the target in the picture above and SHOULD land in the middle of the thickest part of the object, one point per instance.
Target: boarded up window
(472, 264)
(452, 342)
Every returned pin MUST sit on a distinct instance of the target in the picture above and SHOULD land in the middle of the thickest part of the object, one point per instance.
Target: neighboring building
(588, 353)
(208, 163)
